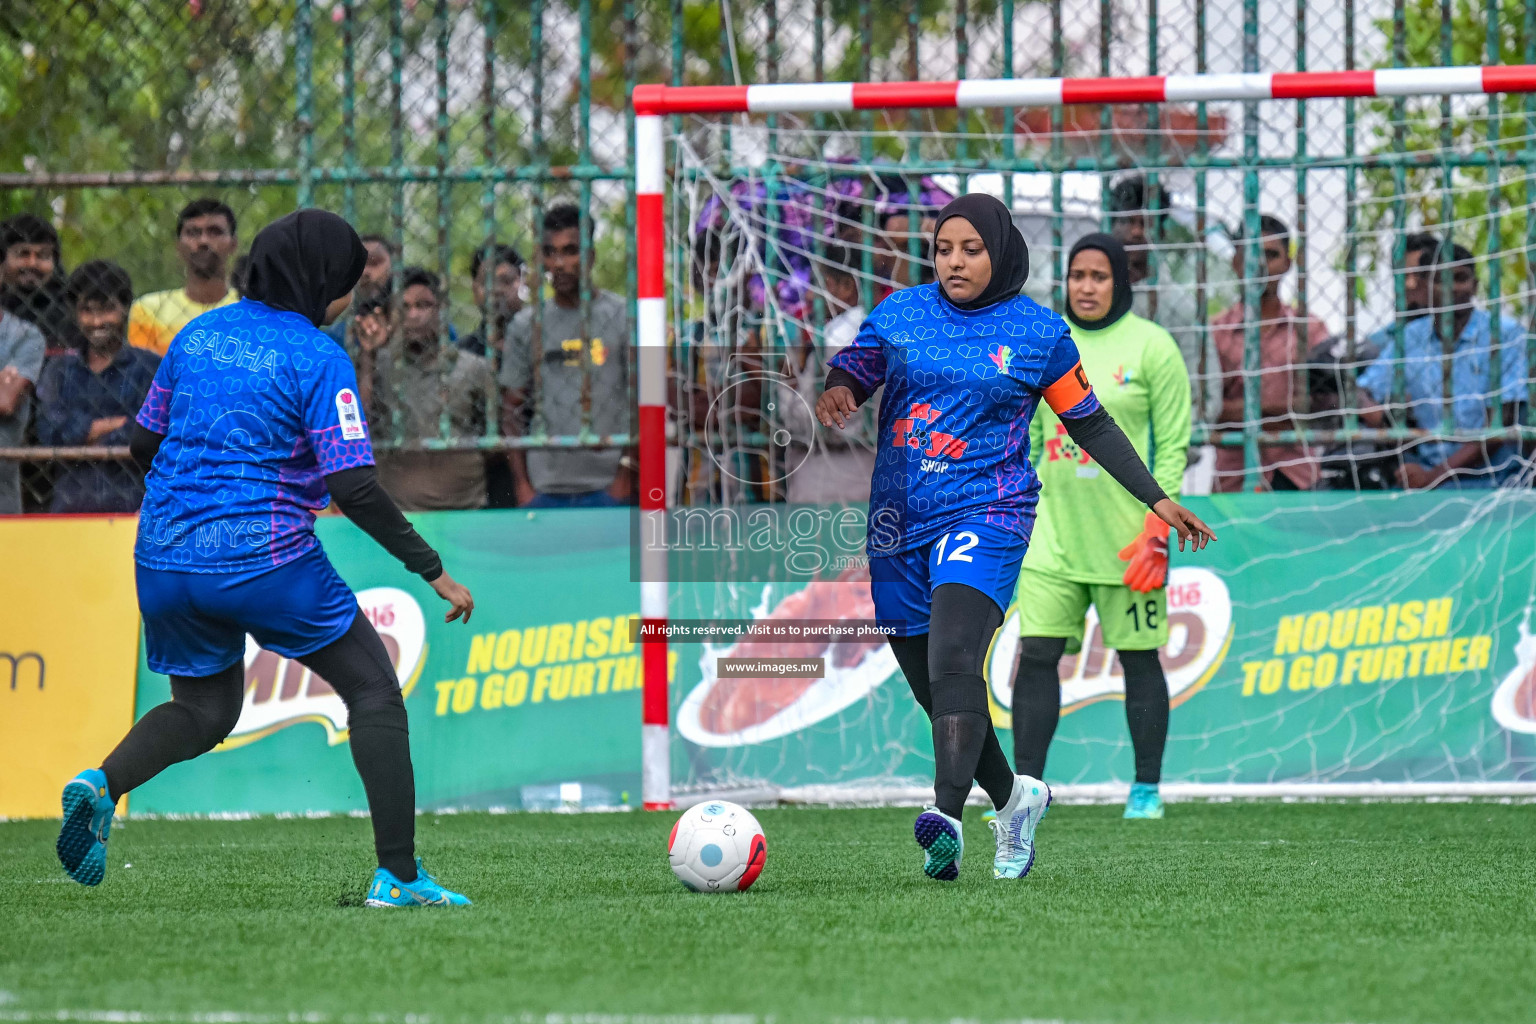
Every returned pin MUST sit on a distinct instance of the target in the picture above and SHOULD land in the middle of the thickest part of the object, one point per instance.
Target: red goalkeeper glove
(1148, 555)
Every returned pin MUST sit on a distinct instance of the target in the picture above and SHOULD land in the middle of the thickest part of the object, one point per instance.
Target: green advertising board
(1324, 638)
(1344, 638)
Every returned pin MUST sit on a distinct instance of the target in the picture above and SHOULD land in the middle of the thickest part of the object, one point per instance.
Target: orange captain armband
(1071, 389)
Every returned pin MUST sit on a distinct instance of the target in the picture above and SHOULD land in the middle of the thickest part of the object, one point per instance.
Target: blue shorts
(195, 623)
(977, 554)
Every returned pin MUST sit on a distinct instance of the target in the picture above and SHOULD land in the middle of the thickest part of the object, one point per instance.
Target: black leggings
(1037, 706)
(202, 711)
(944, 669)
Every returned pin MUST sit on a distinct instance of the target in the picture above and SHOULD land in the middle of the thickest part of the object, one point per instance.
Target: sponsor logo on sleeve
(350, 415)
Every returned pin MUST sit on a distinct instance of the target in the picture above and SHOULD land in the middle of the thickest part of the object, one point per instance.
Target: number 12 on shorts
(964, 541)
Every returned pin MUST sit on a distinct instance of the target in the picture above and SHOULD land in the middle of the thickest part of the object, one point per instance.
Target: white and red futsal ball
(717, 847)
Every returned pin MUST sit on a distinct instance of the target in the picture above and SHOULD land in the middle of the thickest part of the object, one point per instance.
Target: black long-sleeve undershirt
(1101, 437)
(357, 494)
(143, 443)
(1097, 434)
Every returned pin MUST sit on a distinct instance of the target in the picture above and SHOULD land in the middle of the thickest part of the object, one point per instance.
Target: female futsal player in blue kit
(965, 360)
(251, 421)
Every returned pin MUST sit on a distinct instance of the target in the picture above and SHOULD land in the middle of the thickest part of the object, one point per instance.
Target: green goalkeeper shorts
(1051, 606)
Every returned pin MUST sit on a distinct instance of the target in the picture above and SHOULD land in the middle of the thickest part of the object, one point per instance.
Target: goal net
(1307, 253)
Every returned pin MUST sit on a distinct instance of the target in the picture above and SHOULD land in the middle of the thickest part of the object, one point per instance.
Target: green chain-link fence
(445, 125)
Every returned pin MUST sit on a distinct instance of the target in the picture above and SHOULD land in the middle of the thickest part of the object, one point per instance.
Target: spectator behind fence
(556, 381)
(1418, 251)
(1431, 365)
(722, 386)
(368, 335)
(206, 243)
(1354, 464)
(407, 394)
(893, 247)
(377, 280)
(21, 363)
(1288, 467)
(1332, 364)
(90, 397)
(828, 465)
(505, 286)
(32, 279)
(498, 281)
(1168, 303)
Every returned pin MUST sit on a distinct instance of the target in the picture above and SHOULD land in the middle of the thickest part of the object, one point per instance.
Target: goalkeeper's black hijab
(1120, 270)
(304, 262)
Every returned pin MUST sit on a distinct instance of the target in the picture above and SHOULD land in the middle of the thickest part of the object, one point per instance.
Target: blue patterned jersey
(256, 406)
(960, 389)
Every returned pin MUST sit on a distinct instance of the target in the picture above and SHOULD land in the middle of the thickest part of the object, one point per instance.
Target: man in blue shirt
(1454, 378)
(1418, 252)
(91, 397)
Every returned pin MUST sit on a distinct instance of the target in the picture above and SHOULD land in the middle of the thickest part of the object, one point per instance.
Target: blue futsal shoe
(1144, 802)
(940, 836)
(389, 891)
(1014, 826)
(82, 844)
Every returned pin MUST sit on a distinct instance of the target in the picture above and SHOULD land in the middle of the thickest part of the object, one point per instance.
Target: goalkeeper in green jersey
(1094, 543)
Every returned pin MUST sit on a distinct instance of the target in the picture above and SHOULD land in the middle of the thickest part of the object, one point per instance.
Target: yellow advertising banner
(69, 634)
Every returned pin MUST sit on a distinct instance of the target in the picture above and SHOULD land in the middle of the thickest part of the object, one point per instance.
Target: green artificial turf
(1244, 912)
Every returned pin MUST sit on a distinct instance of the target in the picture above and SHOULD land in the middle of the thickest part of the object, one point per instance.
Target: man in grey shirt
(21, 363)
(409, 393)
(563, 381)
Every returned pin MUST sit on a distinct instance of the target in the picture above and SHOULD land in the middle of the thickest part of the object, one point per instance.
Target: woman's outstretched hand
(1185, 523)
(456, 594)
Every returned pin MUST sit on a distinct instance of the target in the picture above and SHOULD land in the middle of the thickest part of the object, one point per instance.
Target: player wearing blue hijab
(251, 426)
(964, 362)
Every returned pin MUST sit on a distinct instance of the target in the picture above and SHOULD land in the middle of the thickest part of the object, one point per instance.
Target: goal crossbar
(782, 98)
(653, 103)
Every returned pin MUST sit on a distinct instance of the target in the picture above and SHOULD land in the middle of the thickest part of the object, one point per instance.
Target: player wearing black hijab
(251, 423)
(965, 362)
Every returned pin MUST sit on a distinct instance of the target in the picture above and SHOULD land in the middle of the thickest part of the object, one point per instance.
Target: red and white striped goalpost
(653, 103)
